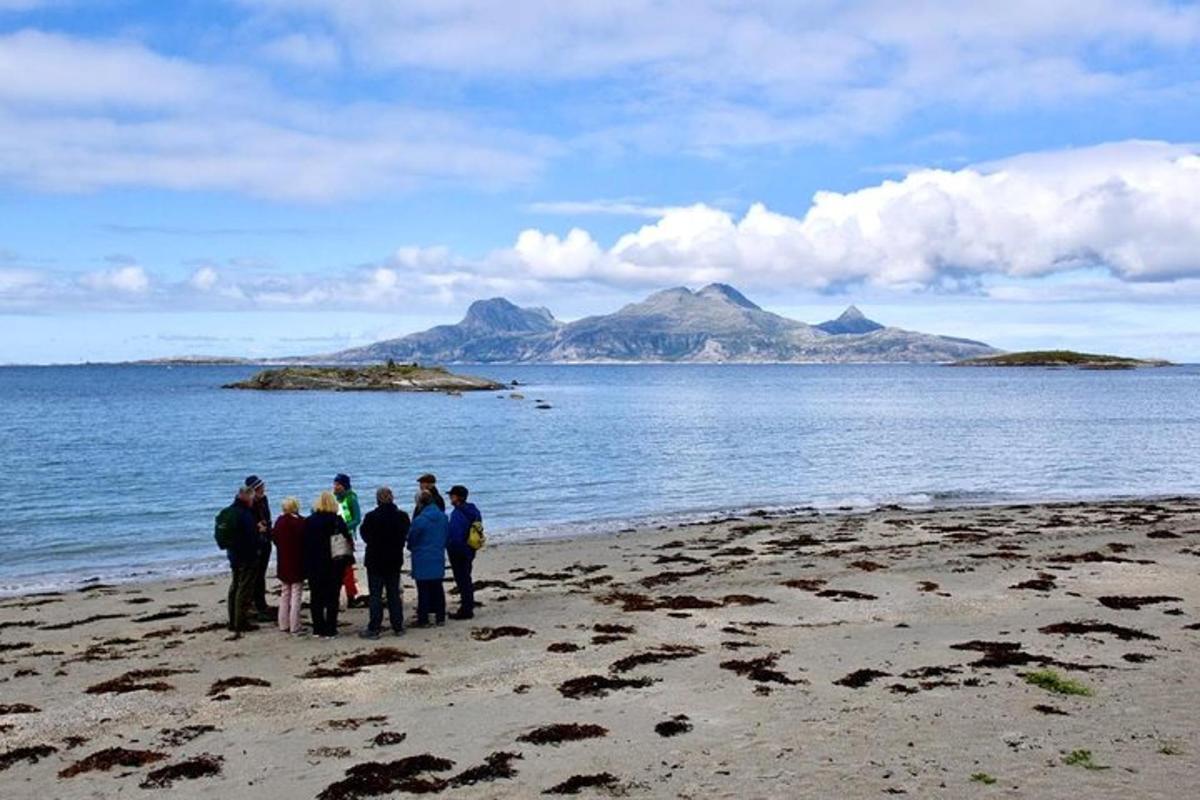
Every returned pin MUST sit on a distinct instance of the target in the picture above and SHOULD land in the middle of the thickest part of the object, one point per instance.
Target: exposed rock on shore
(379, 378)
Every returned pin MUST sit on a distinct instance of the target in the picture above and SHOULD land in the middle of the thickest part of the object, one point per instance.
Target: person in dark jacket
(427, 543)
(462, 556)
(262, 516)
(243, 561)
(384, 531)
(323, 571)
(427, 484)
(288, 535)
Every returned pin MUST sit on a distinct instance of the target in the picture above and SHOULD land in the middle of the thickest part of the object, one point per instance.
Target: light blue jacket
(427, 543)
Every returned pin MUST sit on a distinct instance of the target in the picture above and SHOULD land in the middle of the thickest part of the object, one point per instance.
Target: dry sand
(749, 637)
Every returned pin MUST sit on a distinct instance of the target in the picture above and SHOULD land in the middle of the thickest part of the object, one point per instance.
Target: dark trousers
(378, 582)
(460, 565)
(241, 586)
(323, 603)
(260, 581)
(431, 599)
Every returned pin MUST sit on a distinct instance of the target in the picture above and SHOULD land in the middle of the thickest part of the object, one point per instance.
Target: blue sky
(266, 177)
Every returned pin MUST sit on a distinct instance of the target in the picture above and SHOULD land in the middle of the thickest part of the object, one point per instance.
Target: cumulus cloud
(123, 280)
(1132, 208)
(1120, 219)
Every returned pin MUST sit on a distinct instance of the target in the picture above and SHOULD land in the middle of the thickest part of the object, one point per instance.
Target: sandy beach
(896, 652)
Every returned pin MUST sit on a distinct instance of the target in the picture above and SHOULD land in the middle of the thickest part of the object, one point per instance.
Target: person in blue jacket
(462, 557)
(427, 543)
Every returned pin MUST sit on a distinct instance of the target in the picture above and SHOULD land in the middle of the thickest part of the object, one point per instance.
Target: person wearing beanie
(352, 515)
(427, 486)
(262, 519)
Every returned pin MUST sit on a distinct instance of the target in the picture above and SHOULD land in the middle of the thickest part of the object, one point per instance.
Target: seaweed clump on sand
(30, 754)
(388, 738)
(632, 601)
(18, 708)
(352, 665)
(674, 726)
(138, 680)
(563, 647)
(205, 765)
(491, 634)
(1128, 603)
(497, 766)
(375, 779)
(577, 783)
(563, 732)
(104, 760)
(860, 678)
(660, 654)
(1093, 626)
(599, 686)
(237, 681)
(838, 595)
(761, 670)
(177, 737)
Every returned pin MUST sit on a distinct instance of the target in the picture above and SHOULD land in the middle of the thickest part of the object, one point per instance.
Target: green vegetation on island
(390, 377)
(1059, 358)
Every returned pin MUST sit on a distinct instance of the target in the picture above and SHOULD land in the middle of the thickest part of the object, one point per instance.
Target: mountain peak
(852, 321)
(726, 292)
(851, 314)
(501, 315)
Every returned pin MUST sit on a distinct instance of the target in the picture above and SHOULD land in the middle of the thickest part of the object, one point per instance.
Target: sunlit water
(116, 472)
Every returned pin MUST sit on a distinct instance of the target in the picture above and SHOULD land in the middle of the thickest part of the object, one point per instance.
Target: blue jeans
(377, 584)
(460, 565)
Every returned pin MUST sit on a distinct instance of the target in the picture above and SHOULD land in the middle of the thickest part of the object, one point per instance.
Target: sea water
(115, 472)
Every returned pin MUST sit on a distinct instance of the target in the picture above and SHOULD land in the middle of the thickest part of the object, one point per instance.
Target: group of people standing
(319, 549)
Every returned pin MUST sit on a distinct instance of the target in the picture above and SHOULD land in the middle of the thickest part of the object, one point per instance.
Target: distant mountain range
(714, 324)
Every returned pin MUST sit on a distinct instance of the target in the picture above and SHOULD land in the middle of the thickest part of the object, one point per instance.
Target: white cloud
(1132, 208)
(708, 75)
(204, 279)
(78, 115)
(124, 280)
(1114, 222)
(616, 208)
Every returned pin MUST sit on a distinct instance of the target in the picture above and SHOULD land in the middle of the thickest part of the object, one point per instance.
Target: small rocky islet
(388, 377)
(1060, 359)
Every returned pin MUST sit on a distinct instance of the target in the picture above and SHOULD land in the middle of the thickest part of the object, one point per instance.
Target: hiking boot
(462, 615)
(369, 634)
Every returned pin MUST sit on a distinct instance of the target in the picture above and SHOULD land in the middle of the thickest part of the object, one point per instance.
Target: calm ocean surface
(115, 472)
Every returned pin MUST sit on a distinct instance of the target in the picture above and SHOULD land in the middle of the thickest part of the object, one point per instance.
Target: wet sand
(797, 655)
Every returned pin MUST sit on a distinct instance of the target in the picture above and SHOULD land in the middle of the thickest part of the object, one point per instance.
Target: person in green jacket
(352, 515)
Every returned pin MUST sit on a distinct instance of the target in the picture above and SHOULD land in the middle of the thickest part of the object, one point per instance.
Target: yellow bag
(475, 538)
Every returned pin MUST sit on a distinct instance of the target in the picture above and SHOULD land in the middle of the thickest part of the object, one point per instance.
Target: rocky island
(388, 377)
(1060, 358)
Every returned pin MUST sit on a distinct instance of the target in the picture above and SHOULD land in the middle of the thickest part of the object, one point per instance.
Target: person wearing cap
(262, 519)
(427, 543)
(243, 561)
(427, 484)
(462, 556)
(352, 515)
(384, 531)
